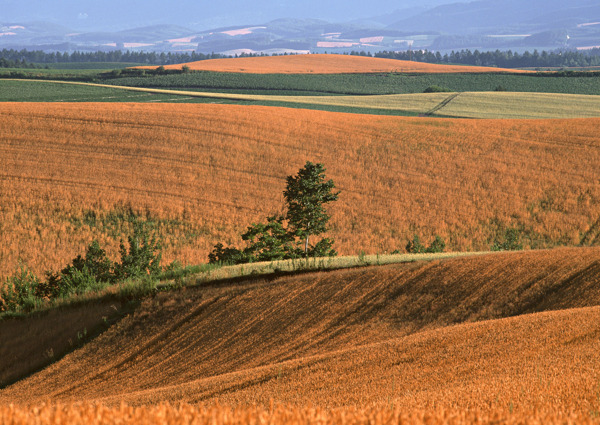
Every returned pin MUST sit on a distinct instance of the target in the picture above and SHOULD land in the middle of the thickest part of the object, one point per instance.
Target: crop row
(389, 83)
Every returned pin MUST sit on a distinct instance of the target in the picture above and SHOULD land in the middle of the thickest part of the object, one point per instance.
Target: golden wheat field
(500, 338)
(202, 173)
(219, 415)
(325, 64)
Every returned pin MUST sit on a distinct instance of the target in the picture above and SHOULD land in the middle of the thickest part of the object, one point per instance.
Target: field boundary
(239, 273)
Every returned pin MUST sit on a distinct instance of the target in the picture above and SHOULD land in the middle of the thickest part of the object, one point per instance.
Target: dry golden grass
(185, 414)
(375, 336)
(205, 172)
(325, 64)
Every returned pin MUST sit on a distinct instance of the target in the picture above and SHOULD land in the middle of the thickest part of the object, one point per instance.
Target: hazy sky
(121, 14)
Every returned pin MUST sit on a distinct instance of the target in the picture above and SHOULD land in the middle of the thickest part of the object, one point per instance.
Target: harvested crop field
(327, 64)
(202, 173)
(508, 335)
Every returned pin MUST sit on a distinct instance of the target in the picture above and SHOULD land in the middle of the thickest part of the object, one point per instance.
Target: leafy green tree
(306, 194)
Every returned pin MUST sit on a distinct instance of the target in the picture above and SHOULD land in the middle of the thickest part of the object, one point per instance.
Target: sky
(199, 14)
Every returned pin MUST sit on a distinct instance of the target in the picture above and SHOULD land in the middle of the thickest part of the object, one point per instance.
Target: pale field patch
(521, 105)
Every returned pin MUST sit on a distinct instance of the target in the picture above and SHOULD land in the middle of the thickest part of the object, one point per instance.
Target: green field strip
(404, 102)
(491, 105)
(411, 103)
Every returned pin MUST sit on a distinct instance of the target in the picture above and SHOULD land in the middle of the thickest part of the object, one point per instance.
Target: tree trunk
(306, 247)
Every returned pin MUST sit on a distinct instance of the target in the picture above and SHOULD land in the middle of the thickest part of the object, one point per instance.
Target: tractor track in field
(442, 104)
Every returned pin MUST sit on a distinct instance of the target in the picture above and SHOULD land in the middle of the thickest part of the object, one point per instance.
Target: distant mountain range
(442, 26)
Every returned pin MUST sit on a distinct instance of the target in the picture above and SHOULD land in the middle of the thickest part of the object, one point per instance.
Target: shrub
(230, 256)
(438, 245)
(270, 242)
(416, 247)
(436, 89)
(18, 289)
(84, 273)
(143, 256)
(510, 240)
(323, 248)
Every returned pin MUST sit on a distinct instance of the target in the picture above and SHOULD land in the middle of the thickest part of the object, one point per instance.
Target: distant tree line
(8, 63)
(500, 59)
(117, 56)
(10, 58)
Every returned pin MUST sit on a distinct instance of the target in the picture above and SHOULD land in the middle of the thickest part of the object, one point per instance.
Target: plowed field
(202, 173)
(326, 64)
(513, 333)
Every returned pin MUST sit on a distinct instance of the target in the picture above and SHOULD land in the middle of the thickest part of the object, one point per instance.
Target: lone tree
(306, 194)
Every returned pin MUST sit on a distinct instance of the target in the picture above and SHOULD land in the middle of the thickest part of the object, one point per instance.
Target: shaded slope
(31, 343)
(205, 338)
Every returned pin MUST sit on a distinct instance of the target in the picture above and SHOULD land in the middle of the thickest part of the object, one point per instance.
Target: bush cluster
(436, 89)
(416, 247)
(93, 271)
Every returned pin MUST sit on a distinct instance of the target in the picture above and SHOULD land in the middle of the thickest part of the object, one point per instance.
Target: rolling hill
(487, 332)
(326, 64)
(200, 174)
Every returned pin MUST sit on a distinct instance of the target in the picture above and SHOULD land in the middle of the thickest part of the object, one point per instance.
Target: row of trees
(16, 63)
(116, 56)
